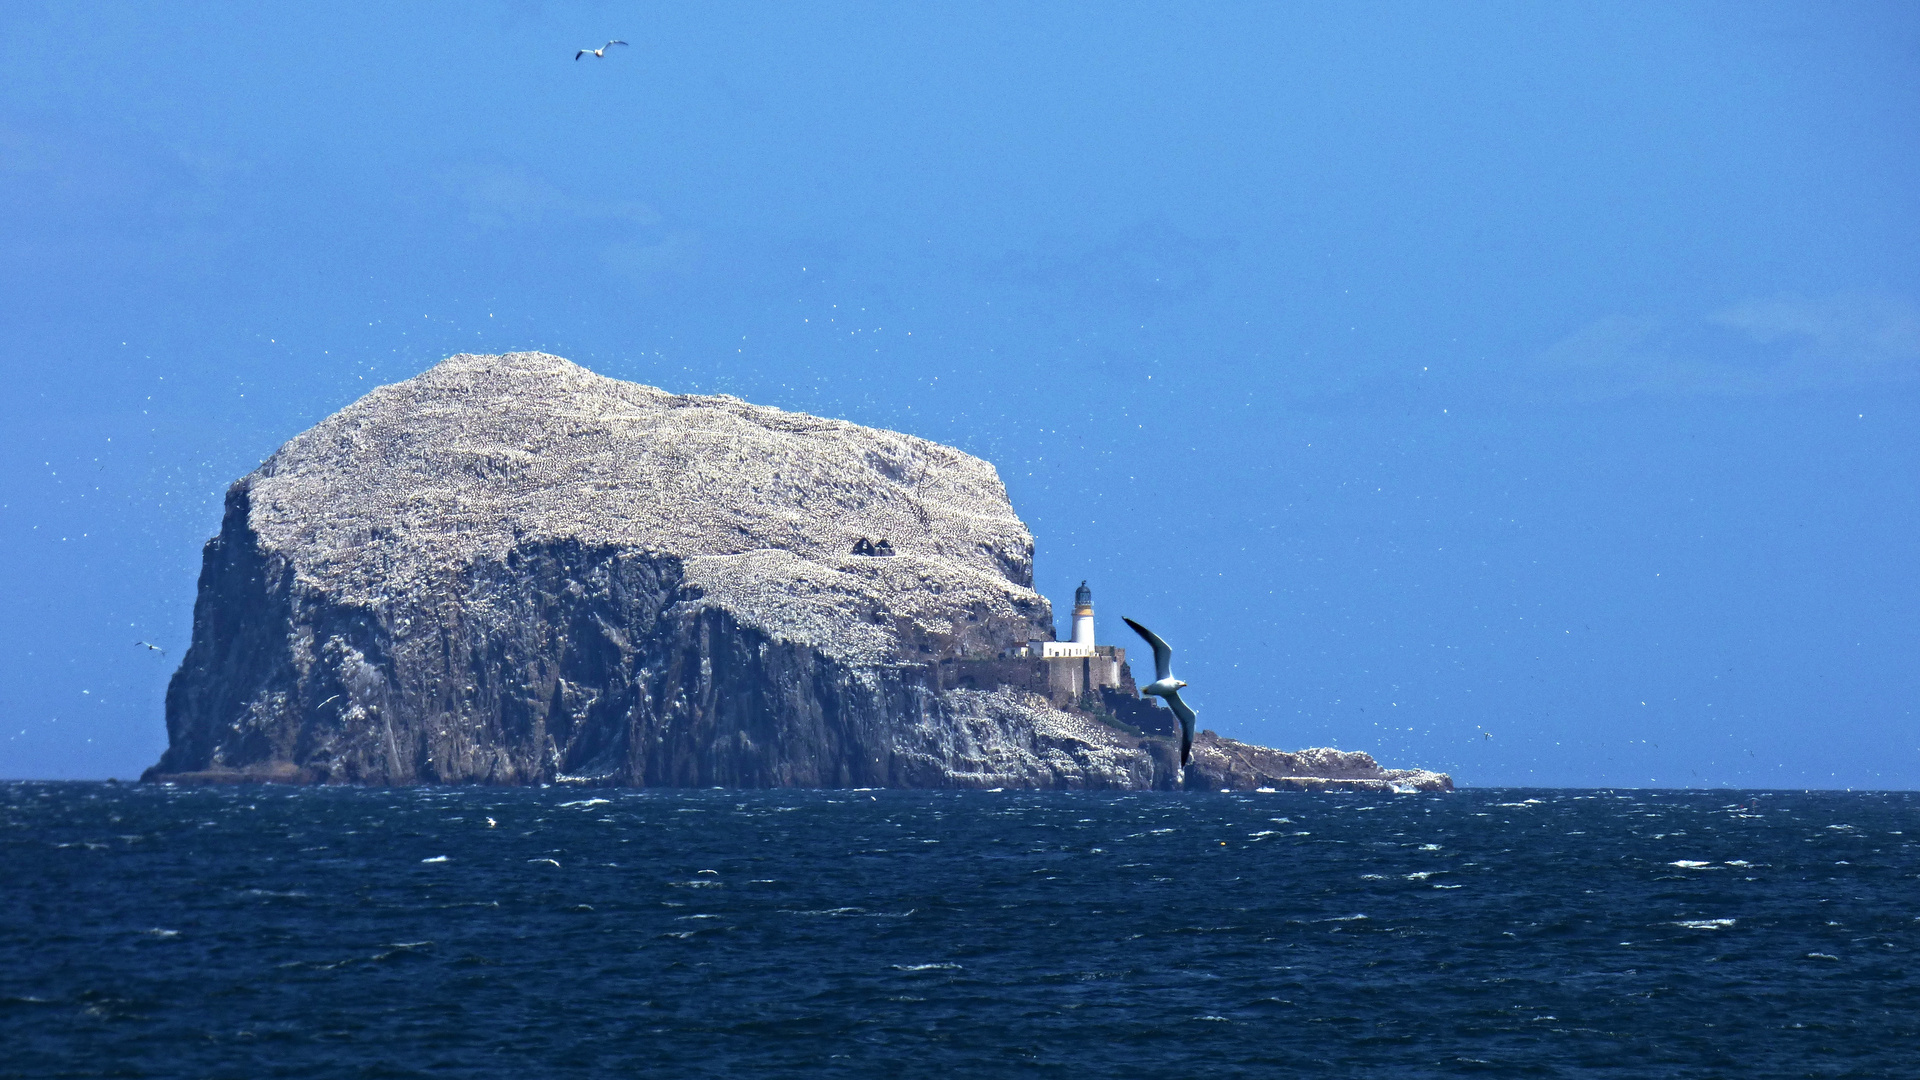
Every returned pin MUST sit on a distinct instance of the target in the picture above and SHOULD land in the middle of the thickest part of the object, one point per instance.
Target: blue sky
(1552, 370)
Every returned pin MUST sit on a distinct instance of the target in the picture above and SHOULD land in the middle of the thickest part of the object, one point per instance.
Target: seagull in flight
(1164, 685)
(601, 51)
(152, 646)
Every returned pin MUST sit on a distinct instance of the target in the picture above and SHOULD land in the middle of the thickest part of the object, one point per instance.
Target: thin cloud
(678, 254)
(1771, 347)
(513, 197)
(1139, 268)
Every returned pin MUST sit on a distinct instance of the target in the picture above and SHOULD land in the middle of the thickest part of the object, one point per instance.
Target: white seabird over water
(1164, 685)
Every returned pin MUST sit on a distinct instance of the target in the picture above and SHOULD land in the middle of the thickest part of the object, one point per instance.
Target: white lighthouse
(1083, 615)
(1080, 644)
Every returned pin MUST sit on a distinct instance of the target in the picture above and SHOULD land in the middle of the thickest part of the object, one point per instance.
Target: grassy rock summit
(510, 570)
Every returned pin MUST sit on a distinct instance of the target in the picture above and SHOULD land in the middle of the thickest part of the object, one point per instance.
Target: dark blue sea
(261, 932)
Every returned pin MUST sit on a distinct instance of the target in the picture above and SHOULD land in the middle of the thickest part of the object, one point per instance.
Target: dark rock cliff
(510, 570)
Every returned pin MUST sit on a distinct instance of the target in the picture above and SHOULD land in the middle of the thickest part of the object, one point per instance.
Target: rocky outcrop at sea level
(510, 570)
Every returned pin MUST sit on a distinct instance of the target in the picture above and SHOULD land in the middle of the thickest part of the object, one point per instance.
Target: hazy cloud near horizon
(1761, 347)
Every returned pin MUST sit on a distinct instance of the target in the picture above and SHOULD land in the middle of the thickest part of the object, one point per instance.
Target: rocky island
(511, 570)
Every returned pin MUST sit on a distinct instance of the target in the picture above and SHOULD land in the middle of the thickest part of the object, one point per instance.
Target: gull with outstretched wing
(1164, 685)
(599, 52)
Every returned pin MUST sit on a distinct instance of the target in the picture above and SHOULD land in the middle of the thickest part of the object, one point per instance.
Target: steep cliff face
(510, 570)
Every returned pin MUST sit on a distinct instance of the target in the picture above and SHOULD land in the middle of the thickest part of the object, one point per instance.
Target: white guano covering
(763, 506)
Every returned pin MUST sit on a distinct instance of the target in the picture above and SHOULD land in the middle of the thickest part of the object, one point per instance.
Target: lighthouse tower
(1080, 645)
(1083, 615)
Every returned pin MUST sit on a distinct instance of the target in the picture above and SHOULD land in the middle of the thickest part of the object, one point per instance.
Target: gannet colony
(510, 570)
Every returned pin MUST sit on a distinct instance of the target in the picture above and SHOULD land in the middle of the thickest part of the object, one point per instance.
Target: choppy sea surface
(257, 932)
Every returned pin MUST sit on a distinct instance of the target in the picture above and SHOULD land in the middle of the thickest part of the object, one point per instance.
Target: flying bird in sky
(152, 646)
(601, 51)
(1164, 685)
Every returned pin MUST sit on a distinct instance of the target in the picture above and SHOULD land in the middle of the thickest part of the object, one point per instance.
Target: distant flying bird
(601, 51)
(154, 647)
(1164, 685)
(1488, 734)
